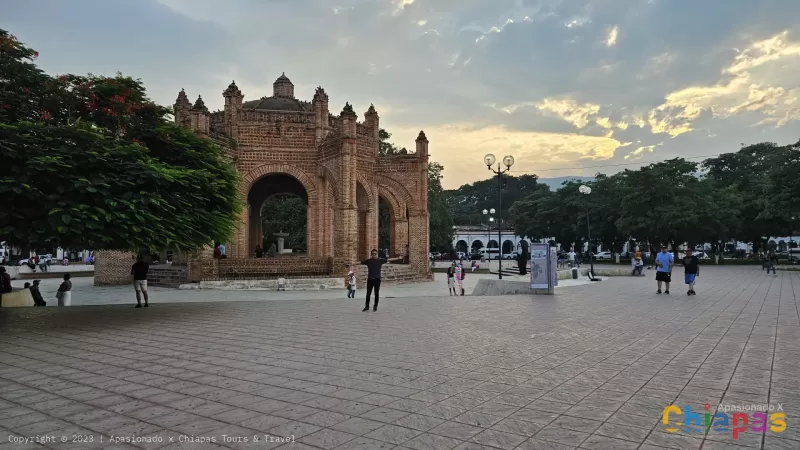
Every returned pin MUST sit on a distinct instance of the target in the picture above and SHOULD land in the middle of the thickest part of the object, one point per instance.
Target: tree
(468, 201)
(440, 225)
(287, 214)
(90, 161)
(756, 174)
(440, 221)
(546, 214)
(384, 146)
(604, 212)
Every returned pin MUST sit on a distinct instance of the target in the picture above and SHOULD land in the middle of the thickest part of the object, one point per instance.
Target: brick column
(113, 267)
(418, 247)
(399, 236)
(202, 265)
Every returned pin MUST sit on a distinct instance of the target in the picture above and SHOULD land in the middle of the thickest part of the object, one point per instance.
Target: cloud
(558, 83)
(611, 40)
(741, 90)
(532, 150)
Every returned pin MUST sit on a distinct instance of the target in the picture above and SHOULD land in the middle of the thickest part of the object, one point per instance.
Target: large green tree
(90, 161)
(468, 201)
(546, 214)
(755, 173)
(440, 223)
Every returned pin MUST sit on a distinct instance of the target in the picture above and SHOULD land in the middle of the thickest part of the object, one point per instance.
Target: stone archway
(393, 210)
(265, 200)
(461, 246)
(508, 247)
(477, 244)
(247, 232)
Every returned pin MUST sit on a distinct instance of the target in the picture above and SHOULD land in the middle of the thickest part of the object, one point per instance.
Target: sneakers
(138, 305)
(375, 308)
(658, 291)
(365, 309)
(147, 305)
(667, 292)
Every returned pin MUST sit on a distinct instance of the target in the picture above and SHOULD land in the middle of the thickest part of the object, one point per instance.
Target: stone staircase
(167, 276)
(391, 274)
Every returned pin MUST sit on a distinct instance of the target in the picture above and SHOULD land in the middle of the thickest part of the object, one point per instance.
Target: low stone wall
(566, 274)
(18, 298)
(271, 268)
(18, 272)
(291, 284)
(493, 287)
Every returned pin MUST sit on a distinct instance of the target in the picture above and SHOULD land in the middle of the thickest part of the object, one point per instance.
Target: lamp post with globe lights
(585, 191)
(508, 161)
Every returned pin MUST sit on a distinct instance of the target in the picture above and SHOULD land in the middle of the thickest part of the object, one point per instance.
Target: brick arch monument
(334, 157)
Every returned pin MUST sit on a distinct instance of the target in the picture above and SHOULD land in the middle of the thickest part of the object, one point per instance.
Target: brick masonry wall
(270, 268)
(113, 267)
(335, 158)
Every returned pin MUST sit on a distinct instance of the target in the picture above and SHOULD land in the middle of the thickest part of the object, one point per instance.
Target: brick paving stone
(592, 367)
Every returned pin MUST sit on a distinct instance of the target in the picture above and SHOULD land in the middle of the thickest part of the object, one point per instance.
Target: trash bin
(574, 273)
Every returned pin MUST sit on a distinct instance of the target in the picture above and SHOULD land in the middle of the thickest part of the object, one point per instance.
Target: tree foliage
(90, 161)
(440, 223)
(468, 201)
(287, 214)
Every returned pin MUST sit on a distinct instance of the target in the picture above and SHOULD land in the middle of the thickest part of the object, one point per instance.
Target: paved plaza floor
(592, 367)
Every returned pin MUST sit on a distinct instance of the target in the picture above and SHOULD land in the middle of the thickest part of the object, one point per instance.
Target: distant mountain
(556, 182)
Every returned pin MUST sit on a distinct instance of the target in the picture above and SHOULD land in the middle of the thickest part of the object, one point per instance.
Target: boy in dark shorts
(691, 267)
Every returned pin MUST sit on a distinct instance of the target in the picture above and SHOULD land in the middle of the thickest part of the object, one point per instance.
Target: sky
(567, 87)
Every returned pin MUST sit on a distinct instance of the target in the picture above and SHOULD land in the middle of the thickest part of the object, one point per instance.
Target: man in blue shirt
(664, 263)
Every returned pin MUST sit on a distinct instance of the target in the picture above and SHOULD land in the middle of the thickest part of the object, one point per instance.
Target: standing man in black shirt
(691, 268)
(374, 265)
(139, 271)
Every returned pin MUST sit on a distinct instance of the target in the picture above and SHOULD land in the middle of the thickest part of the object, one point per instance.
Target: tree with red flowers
(90, 161)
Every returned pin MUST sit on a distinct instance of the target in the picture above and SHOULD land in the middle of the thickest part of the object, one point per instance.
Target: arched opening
(508, 246)
(278, 205)
(385, 225)
(492, 244)
(477, 244)
(461, 246)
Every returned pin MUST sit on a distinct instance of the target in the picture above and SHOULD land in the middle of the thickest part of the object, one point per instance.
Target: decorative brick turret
(182, 108)
(348, 119)
(233, 105)
(372, 121)
(320, 107)
(199, 115)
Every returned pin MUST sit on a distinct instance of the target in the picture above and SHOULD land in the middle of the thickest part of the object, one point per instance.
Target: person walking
(664, 263)
(351, 283)
(139, 271)
(64, 294)
(772, 259)
(691, 269)
(451, 280)
(571, 257)
(374, 265)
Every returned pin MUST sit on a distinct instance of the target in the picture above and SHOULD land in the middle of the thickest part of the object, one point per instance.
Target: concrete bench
(17, 298)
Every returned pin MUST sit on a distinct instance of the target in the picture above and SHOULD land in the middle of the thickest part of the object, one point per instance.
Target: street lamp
(508, 161)
(489, 227)
(585, 191)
